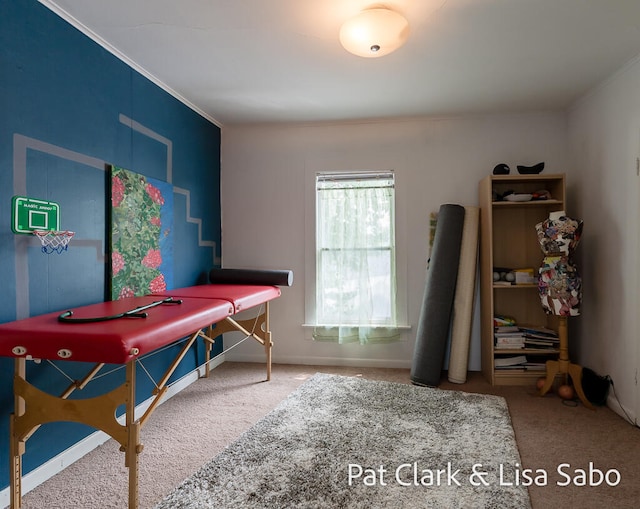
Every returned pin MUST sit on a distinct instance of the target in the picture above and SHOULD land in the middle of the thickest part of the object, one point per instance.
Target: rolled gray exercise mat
(463, 300)
(251, 277)
(437, 304)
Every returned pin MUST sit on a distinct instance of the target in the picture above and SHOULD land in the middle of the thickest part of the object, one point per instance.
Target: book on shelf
(533, 343)
(517, 334)
(527, 366)
(506, 338)
(541, 341)
(541, 332)
(502, 326)
(514, 346)
(509, 343)
(535, 366)
(505, 329)
(504, 362)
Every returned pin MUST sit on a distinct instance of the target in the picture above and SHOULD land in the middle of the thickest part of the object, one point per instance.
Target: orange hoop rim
(55, 233)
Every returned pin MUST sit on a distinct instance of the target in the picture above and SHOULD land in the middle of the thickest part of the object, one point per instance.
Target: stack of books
(508, 338)
(540, 338)
(513, 362)
(522, 362)
(537, 344)
(514, 337)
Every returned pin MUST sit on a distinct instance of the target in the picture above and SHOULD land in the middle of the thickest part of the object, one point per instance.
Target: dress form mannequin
(560, 289)
(559, 284)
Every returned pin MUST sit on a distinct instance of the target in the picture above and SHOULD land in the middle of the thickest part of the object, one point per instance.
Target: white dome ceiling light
(374, 32)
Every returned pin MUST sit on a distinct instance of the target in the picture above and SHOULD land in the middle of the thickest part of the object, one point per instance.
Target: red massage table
(120, 332)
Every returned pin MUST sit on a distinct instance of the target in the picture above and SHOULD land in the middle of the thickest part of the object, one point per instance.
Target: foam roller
(251, 277)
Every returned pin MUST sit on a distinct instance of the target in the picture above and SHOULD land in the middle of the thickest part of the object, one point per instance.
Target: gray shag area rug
(353, 443)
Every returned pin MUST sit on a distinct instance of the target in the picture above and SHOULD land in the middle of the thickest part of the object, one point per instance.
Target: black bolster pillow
(251, 277)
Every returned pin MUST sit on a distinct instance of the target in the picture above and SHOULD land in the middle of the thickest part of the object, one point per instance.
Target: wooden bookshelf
(508, 239)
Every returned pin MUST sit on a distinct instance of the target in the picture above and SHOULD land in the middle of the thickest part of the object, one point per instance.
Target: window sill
(401, 327)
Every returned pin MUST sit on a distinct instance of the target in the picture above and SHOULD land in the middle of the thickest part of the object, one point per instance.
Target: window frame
(362, 178)
(314, 168)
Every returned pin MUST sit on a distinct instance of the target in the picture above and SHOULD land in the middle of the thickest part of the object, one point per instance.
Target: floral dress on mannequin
(559, 284)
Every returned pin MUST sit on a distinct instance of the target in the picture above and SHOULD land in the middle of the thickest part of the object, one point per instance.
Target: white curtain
(355, 258)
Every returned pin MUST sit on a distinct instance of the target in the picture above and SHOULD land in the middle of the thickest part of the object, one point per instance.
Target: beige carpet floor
(195, 425)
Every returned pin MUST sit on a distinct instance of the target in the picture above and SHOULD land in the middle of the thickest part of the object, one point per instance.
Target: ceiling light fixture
(374, 32)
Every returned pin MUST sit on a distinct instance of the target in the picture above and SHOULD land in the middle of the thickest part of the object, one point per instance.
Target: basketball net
(53, 240)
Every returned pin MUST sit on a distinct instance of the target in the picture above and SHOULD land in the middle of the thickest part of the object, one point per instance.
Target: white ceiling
(240, 61)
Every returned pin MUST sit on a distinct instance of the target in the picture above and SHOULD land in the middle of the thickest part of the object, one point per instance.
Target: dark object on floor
(530, 170)
(251, 277)
(437, 304)
(501, 169)
(595, 387)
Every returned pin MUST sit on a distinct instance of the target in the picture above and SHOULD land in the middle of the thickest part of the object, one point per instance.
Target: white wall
(604, 133)
(267, 176)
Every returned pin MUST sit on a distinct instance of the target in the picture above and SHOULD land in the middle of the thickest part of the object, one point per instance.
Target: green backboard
(29, 214)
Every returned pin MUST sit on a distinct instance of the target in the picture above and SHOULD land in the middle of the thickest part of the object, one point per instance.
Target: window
(355, 257)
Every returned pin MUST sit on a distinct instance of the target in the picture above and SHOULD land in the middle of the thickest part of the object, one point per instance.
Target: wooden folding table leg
(133, 435)
(208, 346)
(267, 339)
(16, 445)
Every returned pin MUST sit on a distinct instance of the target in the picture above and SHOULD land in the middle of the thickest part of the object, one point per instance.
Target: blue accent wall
(68, 108)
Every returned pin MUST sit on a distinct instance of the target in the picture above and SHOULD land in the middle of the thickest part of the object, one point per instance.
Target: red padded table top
(113, 341)
(241, 296)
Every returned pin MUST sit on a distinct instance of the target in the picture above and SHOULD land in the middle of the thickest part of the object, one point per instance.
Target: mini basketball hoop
(53, 240)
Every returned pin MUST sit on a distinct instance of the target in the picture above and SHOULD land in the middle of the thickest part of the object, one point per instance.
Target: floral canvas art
(141, 251)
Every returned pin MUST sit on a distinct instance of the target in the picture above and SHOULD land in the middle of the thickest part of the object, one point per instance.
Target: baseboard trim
(58, 463)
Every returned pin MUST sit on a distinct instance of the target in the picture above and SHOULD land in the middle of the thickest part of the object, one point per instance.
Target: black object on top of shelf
(531, 170)
(501, 169)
